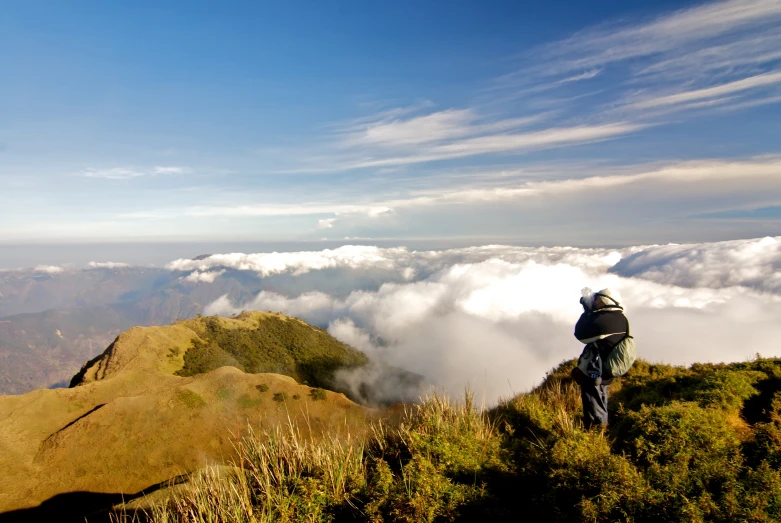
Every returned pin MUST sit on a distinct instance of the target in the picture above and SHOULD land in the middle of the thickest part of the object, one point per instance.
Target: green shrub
(690, 457)
(279, 397)
(317, 394)
(727, 389)
(262, 387)
(277, 344)
(765, 446)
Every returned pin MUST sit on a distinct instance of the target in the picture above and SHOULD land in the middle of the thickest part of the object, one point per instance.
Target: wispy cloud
(737, 86)
(263, 210)
(588, 75)
(584, 203)
(126, 173)
(749, 50)
(604, 82)
(450, 135)
(677, 32)
(674, 62)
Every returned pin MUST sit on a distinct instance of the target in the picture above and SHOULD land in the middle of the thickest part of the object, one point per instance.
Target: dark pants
(594, 404)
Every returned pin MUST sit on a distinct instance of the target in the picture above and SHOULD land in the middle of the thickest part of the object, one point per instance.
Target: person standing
(601, 327)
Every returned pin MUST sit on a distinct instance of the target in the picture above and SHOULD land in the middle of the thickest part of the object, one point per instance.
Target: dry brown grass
(396, 472)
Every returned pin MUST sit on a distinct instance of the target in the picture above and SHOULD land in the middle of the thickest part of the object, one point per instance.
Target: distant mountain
(52, 322)
(150, 407)
(34, 291)
(59, 321)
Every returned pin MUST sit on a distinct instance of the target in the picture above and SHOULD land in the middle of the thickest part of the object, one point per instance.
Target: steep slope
(132, 422)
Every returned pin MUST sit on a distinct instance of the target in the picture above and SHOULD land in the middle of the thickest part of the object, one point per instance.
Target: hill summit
(254, 342)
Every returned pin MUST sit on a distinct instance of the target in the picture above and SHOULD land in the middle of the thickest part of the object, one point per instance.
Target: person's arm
(586, 329)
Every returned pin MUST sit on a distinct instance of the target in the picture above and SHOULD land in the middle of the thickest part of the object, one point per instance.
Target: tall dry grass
(281, 475)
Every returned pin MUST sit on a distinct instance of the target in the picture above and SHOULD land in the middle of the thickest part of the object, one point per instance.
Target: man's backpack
(621, 357)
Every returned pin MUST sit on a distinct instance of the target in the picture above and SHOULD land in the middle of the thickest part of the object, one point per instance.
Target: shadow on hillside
(92, 507)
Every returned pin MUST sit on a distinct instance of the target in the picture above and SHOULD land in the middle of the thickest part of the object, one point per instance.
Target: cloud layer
(497, 318)
(107, 265)
(755, 264)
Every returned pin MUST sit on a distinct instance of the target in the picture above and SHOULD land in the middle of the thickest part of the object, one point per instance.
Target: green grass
(279, 345)
(685, 444)
(246, 401)
(190, 399)
(224, 393)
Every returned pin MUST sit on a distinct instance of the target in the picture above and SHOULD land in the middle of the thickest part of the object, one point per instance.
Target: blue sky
(562, 123)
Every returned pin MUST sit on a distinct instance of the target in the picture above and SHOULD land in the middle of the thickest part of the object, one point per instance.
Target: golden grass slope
(132, 422)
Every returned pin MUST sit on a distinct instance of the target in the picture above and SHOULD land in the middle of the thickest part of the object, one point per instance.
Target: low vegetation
(318, 394)
(684, 444)
(276, 344)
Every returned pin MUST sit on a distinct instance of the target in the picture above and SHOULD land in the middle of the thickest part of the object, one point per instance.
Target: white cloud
(751, 51)
(659, 66)
(499, 320)
(588, 75)
(435, 127)
(663, 191)
(398, 260)
(50, 269)
(126, 173)
(265, 264)
(748, 263)
(492, 143)
(107, 265)
(169, 170)
(271, 209)
(432, 127)
(673, 32)
(744, 84)
(202, 277)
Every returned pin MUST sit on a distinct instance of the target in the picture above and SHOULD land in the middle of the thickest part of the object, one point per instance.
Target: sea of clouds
(497, 318)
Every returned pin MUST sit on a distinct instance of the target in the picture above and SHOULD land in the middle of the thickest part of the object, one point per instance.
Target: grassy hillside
(684, 444)
(131, 423)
